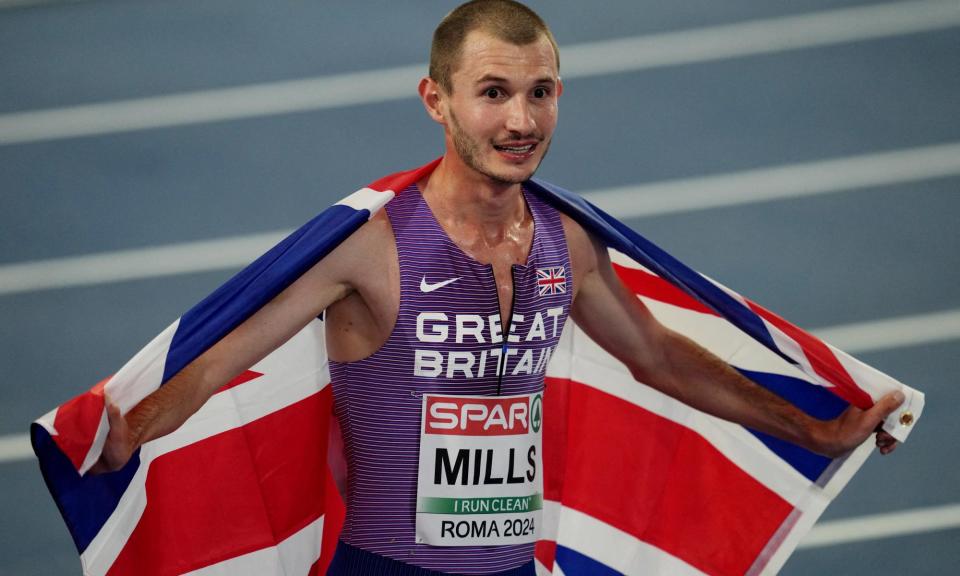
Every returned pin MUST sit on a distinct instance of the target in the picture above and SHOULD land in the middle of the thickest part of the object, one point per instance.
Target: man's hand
(120, 445)
(854, 426)
(885, 442)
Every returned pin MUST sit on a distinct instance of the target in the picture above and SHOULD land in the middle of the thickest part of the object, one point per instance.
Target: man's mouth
(518, 149)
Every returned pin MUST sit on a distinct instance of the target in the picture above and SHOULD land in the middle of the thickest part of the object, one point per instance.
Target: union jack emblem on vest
(551, 280)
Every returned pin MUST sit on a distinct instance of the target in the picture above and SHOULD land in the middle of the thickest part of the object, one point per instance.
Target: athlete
(436, 302)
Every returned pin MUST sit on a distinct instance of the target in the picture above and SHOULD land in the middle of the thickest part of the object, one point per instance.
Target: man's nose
(520, 118)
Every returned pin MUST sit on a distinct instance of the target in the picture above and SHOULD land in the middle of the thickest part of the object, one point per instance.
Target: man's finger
(113, 412)
(886, 405)
(118, 424)
(878, 414)
(884, 439)
(886, 443)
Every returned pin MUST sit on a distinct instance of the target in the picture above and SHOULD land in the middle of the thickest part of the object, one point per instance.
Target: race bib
(480, 480)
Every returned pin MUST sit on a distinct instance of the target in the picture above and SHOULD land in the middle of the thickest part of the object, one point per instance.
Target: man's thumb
(113, 413)
(886, 405)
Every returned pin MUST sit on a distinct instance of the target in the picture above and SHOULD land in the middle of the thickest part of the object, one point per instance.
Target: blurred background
(804, 153)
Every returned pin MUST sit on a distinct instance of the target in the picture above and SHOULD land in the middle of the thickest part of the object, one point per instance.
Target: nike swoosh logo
(424, 287)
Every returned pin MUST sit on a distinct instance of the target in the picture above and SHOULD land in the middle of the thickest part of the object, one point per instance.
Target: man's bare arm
(675, 365)
(171, 405)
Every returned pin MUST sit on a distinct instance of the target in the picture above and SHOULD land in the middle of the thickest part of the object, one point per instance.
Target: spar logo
(480, 416)
(536, 413)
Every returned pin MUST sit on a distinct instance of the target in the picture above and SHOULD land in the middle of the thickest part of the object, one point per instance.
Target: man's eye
(540, 93)
(492, 92)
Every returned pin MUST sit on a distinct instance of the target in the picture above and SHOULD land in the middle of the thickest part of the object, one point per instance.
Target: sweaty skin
(498, 120)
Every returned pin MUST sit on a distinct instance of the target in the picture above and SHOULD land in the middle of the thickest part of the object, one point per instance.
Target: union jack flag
(552, 280)
(634, 481)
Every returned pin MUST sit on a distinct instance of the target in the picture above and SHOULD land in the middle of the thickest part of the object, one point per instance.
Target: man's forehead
(485, 56)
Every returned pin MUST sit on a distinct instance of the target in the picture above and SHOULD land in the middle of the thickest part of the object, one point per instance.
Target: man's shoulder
(582, 244)
(582, 225)
(373, 238)
(371, 243)
(582, 248)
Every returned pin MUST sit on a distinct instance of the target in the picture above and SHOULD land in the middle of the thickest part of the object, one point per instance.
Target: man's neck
(458, 195)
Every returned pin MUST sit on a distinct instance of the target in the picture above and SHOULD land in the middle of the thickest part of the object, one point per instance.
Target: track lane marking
(15, 448)
(642, 200)
(857, 337)
(780, 182)
(13, 4)
(631, 54)
(879, 526)
(890, 333)
(136, 263)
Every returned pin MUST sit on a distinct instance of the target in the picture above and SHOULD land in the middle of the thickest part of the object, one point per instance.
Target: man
(439, 294)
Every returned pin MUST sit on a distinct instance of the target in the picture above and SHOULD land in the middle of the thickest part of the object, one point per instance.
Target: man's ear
(432, 96)
(559, 87)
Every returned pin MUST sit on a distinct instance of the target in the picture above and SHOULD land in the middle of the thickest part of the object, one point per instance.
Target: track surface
(838, 258)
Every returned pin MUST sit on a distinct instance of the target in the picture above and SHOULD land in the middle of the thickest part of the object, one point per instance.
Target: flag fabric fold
(635, 482)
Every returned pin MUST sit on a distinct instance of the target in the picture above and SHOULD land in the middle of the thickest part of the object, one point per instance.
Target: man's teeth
(517, 149)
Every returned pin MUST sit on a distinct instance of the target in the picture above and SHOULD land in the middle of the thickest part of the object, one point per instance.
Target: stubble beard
(469, 151)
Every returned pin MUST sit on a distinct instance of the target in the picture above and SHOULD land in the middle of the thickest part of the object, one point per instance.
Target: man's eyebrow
(501, 80)
(491, 78)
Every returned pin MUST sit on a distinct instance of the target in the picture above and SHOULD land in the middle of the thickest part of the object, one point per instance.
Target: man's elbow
(650, 357)
(652, 374)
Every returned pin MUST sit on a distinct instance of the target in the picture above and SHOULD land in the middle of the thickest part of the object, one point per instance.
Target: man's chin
(505, 173)
(513, 174)
(510, 178)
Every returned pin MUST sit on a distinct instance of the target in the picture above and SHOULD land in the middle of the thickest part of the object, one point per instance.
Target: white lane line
(780, 182)
(630, 54)
(211, 105)
(894, 332)
(136, 263)
(859, 337)
(878, 526)
(15, 447)
(760, 37)
(30, 3)
(777, 183)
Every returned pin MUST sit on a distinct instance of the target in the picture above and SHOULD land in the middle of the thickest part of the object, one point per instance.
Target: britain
(438, 364)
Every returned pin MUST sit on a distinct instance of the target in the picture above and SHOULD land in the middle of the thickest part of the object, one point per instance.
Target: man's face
(503, 109)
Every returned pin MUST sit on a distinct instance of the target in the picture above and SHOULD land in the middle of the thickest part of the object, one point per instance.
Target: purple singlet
(448, 339)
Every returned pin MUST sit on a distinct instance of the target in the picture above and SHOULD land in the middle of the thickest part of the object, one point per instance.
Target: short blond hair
(506, 20)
